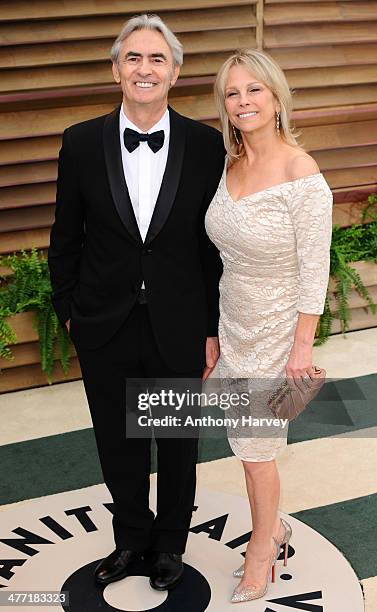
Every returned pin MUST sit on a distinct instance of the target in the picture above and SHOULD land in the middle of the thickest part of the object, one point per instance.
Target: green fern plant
(28, 288)
(324, 324)
(355, 243)
(371, 209)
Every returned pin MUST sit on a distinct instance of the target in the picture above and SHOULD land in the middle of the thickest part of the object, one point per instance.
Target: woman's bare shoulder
(301, 164)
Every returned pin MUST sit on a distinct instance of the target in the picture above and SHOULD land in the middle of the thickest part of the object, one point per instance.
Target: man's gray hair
(148, 22)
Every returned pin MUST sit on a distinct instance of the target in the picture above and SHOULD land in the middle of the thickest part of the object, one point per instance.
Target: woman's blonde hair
(266, 70)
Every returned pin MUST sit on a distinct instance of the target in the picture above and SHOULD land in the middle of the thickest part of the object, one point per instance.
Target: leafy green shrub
(349, 244)
(29, 289)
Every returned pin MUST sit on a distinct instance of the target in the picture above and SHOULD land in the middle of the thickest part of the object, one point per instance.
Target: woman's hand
(299, 364)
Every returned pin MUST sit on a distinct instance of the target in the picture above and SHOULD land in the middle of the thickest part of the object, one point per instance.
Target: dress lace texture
(275, 248)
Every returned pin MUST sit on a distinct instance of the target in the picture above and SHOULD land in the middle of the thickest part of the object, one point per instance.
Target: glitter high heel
(250, 593)
(284, 541)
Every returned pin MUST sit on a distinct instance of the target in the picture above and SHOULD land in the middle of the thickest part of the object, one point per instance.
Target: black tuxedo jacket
(98, 260)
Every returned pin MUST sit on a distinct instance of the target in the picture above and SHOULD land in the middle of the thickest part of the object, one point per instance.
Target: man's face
(145, 68)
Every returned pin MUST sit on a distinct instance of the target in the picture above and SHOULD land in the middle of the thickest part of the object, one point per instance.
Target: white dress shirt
(144, 170)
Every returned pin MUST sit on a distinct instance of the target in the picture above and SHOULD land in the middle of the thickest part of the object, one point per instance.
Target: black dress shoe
(166, 571)
(116, 566)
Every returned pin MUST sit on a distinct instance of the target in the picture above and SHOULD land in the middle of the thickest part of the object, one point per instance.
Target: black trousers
(126, 462)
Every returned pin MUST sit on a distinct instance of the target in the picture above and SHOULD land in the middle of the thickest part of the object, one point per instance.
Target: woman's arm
(311, 211)
(300, 359)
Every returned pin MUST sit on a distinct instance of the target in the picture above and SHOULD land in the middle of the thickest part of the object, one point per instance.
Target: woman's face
(250, 104)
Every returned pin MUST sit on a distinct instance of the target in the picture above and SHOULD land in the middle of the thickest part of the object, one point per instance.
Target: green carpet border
(351, 526)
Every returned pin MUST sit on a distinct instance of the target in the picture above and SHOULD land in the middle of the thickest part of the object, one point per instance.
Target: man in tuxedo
(135, 280)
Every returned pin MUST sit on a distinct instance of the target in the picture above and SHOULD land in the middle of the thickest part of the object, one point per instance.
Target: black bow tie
(132, 139)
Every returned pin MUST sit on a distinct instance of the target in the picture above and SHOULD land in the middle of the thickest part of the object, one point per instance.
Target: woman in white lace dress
(271, 220)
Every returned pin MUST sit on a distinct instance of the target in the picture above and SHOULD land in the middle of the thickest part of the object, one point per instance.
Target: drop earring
(278, 123)
(235, 135)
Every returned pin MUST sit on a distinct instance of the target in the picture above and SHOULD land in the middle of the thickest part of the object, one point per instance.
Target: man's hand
(68, 324)
(212, 355)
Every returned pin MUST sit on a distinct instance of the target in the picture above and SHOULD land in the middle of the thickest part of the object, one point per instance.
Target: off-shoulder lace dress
(275, 248)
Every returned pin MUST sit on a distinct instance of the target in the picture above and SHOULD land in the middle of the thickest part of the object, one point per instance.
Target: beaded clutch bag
(287, 402)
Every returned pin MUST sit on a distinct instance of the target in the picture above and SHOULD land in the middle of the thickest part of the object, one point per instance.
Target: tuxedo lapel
(114, 166)
(171, 176)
